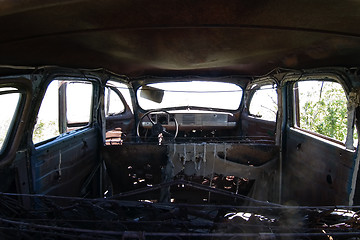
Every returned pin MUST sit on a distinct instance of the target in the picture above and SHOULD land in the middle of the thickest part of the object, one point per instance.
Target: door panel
(119, 125)
(60, 167)
(66, 155)
(316, 171)
(259, 117)
(254, 127)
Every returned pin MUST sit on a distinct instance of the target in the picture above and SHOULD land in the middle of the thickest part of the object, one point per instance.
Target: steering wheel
(158, 133)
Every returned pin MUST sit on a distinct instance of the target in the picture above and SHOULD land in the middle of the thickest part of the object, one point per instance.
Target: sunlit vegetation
(323, 109)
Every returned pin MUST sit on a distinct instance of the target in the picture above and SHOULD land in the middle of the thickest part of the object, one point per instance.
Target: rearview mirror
(152, 94)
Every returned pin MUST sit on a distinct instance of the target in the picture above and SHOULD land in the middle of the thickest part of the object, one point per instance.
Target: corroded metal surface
(225, 158)
(134, 166)
(316, 172)
(137, 166)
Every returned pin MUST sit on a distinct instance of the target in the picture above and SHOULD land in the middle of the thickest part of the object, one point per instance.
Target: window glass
(76, 102)
(195, 93)
(8, 110)
(322, 108)
(113, 103)
(264, 104)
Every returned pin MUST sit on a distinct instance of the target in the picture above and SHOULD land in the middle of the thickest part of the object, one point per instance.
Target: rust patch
(249, 154)
(134, 166)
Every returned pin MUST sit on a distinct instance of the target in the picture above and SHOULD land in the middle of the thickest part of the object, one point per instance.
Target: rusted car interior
(179, 119)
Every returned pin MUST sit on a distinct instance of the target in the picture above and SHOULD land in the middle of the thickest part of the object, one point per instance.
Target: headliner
(180, 37)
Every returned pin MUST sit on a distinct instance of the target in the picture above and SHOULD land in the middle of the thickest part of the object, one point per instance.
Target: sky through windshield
(195, 93)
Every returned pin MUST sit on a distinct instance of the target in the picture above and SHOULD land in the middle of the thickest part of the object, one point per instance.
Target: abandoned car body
(156, 124)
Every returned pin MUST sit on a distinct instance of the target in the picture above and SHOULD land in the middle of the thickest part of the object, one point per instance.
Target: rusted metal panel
(250, 154)
(229, 159)
(316, 172)
(134, 166)
(231, 167)
(257, 127)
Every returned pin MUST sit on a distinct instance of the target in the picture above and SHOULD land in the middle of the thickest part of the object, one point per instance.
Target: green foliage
(324, 110)
(39, 129)
(44, 130)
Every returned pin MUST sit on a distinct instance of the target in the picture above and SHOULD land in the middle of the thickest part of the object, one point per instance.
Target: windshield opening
(206, 94)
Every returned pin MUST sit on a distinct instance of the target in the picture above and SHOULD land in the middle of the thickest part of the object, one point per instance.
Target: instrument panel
(191, 119)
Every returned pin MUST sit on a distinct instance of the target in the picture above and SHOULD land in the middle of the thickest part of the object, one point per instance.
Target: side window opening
(48, 117)
(264, 103)
(118, 107)
(356, 137)
(321, 107)
(11, 96)
(66, 106)
(113, 103)
(78, 103)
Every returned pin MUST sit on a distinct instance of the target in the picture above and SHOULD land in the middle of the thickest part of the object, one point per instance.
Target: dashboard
(195, 120)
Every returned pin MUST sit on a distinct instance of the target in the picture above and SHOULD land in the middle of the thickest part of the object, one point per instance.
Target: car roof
(180, 37)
